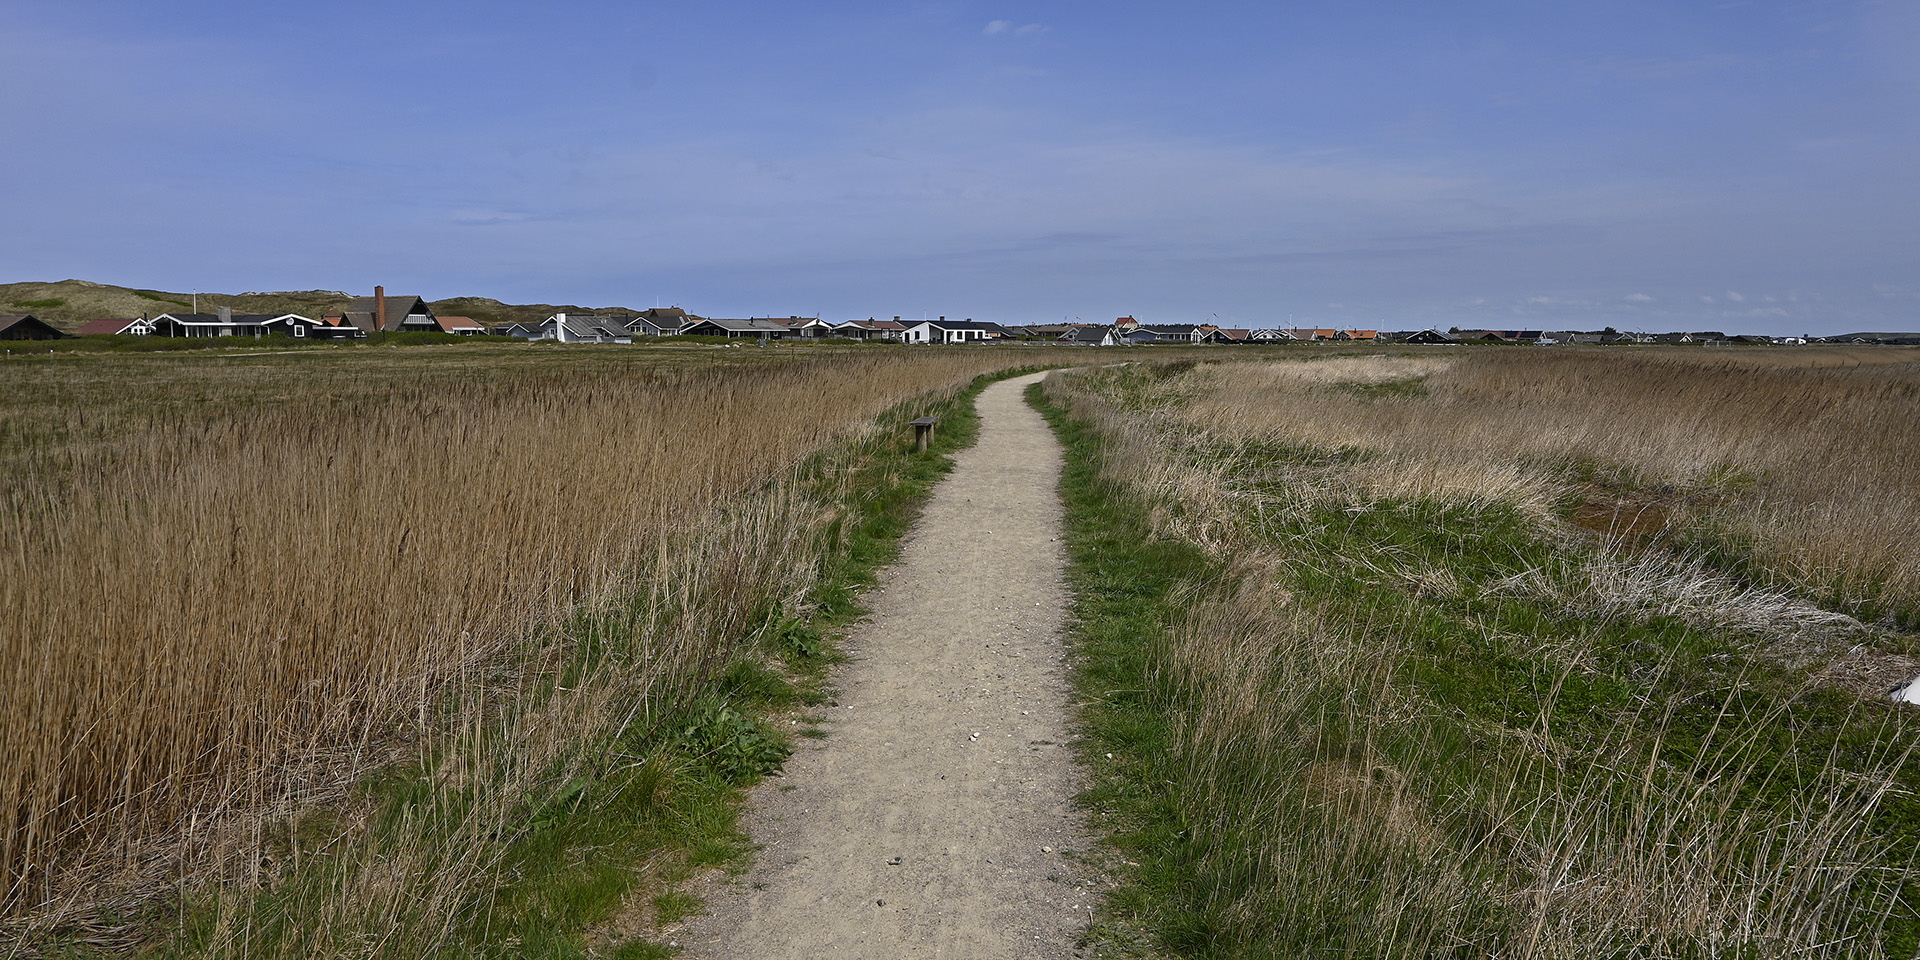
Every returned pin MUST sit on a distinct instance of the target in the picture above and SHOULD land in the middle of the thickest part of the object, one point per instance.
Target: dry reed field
(1408, 707)
(236, 584)
(1807, 461)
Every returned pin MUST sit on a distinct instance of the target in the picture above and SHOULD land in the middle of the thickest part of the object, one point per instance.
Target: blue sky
(1740, 166)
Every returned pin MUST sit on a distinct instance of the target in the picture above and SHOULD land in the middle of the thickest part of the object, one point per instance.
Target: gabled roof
(108, 326)
(361, 311)
(27, 321)
(962, 324)
(1093, 334)
(451, 324)
(659, 322)
(589, 327)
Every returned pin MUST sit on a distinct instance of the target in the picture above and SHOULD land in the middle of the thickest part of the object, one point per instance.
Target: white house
(132, 326)
(950, 331)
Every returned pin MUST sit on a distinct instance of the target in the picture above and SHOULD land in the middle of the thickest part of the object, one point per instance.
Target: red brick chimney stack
(379, 308)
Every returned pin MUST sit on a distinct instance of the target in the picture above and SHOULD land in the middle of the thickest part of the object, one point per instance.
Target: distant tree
(1453, 329)
(1609, 330)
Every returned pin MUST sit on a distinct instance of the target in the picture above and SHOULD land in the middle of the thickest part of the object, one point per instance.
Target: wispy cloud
(1735, 297)
(1008, 28)
(1638, 298)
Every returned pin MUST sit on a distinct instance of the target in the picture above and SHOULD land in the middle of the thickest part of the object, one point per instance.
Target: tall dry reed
(225, 578)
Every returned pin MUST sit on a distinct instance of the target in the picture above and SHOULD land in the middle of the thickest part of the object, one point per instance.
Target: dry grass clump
(1808, 461)
(229, 583)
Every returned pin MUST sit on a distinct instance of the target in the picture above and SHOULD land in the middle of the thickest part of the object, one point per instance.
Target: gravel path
(936, 819)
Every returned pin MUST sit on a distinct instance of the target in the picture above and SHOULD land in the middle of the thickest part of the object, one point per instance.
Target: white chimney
(560, 327)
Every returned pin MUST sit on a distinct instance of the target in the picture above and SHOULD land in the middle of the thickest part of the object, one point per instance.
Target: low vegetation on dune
(1500, 654)
(314, 655)
(68, 303)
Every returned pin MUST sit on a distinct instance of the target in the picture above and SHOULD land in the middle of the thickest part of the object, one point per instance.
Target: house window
(299, 331)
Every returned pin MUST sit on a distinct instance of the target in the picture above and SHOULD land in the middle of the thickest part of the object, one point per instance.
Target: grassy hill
(69, 303)
(490, 311)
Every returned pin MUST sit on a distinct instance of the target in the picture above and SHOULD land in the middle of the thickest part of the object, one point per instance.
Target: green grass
(1125, 583)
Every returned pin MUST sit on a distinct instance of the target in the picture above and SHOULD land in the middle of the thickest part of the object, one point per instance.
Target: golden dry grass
(228, 582)
(1807, 458)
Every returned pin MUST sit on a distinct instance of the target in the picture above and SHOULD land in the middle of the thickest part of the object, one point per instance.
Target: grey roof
(963, 324)
(1090, 334)
(659, 322)
(748, 326)
(590, 327)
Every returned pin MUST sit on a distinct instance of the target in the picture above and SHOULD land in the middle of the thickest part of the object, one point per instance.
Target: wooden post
(922, 429)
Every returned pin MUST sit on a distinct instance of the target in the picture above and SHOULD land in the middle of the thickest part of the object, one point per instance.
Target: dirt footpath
(936, 819)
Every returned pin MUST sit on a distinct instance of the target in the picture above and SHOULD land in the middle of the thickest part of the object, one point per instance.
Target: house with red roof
(133, 326)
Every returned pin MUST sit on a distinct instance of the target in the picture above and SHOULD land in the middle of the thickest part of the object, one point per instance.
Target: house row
(672, 321)
(384, 313)
(1611, 336)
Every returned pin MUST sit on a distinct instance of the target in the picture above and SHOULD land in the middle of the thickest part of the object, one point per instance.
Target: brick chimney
(379, 308)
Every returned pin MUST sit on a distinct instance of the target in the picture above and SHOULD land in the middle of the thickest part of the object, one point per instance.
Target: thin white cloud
(1735, 297)
(1007, 28)
(1639, 298)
